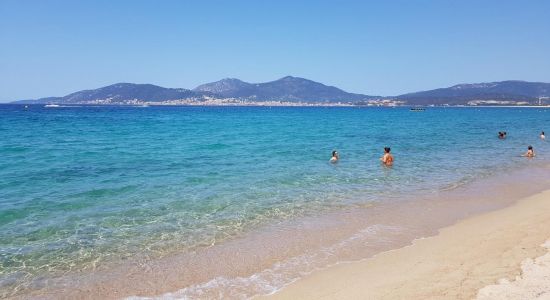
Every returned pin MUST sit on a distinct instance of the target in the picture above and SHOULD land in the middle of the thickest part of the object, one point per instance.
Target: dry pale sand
(534, 282)
(462, 259)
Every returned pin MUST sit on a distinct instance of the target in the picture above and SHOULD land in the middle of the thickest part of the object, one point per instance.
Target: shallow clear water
(84, 186)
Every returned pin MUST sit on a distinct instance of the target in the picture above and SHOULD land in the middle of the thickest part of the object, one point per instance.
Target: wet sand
(266, 260)
(476, 252)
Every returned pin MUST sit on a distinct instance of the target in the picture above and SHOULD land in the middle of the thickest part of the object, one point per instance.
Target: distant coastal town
(295, 91)
(209, 101)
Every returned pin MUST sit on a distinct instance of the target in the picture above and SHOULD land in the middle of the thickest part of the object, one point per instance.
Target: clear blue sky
(52, 48)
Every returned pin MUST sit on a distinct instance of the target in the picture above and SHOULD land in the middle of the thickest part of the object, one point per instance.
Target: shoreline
(456, 263)
(351, 235)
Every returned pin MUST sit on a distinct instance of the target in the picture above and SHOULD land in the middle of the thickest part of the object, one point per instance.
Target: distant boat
(418, 109)
(51, 105)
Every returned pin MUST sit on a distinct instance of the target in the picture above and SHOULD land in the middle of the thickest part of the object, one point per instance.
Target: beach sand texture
(463, 258)
(534, 282)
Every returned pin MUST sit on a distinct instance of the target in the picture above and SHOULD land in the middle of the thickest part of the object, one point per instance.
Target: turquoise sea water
(85, 186)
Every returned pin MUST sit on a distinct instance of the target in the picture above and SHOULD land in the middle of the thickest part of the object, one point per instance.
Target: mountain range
(511, 90)
(291, 89)
(300, 90)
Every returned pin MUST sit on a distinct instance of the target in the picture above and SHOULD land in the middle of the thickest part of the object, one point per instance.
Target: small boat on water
(417, 109)
(51, 105)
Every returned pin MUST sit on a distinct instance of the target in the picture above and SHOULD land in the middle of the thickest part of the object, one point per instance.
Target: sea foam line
(272, 279)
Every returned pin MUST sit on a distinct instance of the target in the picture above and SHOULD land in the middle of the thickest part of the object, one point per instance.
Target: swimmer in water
(335, 157)
(387, 158)
(542, 137)
(502, 135)
(530, 152)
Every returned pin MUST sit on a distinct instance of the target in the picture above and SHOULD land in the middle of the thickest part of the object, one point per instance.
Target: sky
(53, 48)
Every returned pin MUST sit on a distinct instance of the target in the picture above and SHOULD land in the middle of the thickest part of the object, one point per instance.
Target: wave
(277, 276)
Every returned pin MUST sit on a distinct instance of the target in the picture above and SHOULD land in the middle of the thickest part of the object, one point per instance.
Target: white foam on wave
(274, 278)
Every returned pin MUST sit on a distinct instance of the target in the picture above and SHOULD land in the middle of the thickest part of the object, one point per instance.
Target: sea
(179, 202)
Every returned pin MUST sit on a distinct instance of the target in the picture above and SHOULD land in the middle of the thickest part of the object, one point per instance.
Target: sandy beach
(491, 252)
(139, 219)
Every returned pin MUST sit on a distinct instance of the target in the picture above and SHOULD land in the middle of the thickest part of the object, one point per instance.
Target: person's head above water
(335, 157)
(387, 149)
(530, 147)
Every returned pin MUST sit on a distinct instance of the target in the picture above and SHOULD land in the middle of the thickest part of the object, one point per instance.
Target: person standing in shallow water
(530, 152)
(335, 157)
(542, 136)
(387, 158)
